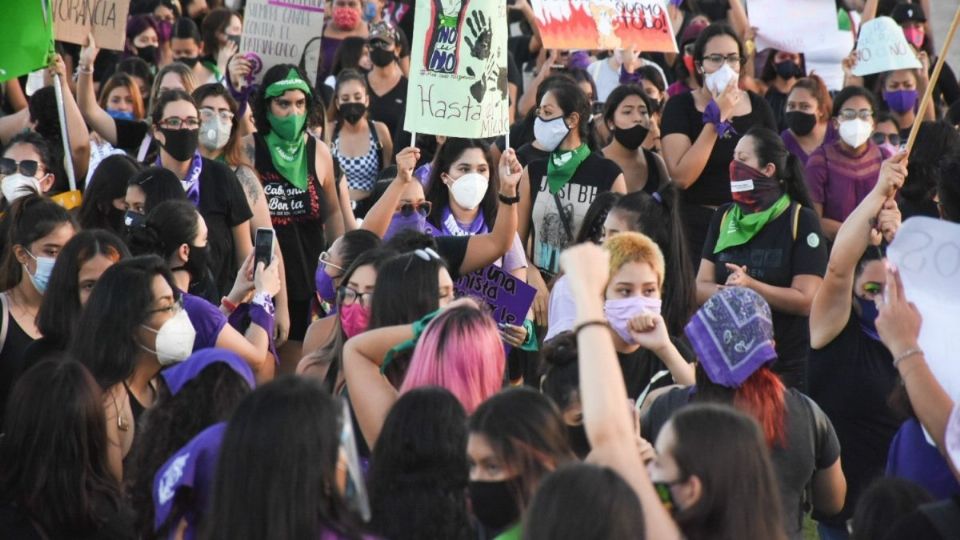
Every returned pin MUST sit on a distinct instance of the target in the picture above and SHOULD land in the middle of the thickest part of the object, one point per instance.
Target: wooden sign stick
(934, 77)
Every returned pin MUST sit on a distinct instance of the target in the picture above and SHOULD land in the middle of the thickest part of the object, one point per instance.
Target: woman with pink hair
(458, 349)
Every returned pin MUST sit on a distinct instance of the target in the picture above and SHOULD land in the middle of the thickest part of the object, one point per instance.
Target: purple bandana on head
(732, 335)
(192, 467)
(180, 374)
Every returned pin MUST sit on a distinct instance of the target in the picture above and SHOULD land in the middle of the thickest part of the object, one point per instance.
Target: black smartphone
(263, 247)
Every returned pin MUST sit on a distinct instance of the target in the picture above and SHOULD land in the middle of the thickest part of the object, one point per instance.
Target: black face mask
(181, 144)
(148, 54)
(577, 435)
(190, 61)
(494, 504)
(800, 123)
(381, 57)
(787, 70)
(197, 263)
(352, 112)
(631, 138)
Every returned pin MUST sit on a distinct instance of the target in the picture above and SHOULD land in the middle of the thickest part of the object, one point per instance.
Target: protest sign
(927, 253)
(881, 47)
(74, 20)
(458, 71)
(26, 37)
(826, 58)
(507, 296)
(605, 24)
(795, 26)
(276, 31)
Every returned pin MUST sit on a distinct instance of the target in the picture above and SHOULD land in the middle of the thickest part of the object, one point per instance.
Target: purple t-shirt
(912, 458)
(790, 141)
(206, 320)
(839, 179)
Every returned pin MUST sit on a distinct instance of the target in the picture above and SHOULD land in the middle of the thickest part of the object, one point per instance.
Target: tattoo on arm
(250, 150)
(251, 185)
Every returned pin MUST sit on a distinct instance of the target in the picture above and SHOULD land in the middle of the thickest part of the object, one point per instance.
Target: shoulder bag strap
(564, 218)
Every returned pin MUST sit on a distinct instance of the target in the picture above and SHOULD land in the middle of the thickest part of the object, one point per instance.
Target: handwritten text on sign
(277, 32)
(73, 20)
(604, 24)
(507, 296)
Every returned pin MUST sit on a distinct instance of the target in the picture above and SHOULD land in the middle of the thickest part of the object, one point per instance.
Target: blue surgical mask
(868, 317)
(120, 115)
(369, 11)
(41, 278)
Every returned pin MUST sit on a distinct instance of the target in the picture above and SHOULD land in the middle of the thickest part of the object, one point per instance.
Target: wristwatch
(508, 200)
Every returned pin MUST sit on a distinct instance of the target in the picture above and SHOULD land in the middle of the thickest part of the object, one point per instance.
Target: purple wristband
(629, 78)
(711, 115)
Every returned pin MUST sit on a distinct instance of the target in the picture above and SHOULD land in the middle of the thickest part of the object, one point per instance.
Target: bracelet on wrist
(585, 324)
(906, 354)
(506, 199)
(225, 302)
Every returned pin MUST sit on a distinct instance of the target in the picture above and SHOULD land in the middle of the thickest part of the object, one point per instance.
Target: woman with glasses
(25, 168)
(841, 173)
(627, 116)
(175, 231)
(297, 175)
(807, 117)
(846, 351)
(886, 132)
(210, 185)
(701, 129)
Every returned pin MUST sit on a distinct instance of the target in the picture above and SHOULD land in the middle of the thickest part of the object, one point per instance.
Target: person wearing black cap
(911, 19)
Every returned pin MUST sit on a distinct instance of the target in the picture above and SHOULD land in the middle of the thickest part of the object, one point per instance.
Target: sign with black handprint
(458, 76)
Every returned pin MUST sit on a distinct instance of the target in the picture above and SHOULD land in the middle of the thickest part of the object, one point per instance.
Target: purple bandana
(191, 184)
(711, 115)
(192, 467)
(180, 374)
(451, 227)
(732, 335)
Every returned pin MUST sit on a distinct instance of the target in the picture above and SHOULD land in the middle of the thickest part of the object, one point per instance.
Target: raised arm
(96, 118)
(606, 416)
(686, 159)
(333, 226)
(831, 305)
(378, 217)
(254, 345)
(483, 249)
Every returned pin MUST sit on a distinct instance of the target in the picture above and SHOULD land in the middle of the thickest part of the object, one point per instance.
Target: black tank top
(11, 358)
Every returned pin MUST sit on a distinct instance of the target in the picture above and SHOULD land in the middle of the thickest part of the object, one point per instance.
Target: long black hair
(438, 192)
(572, 99)
(108, 182)
(276, 477)
(29, 219)
(591, 229)
(158, 185)
(168, 226)
(261, 103)
(769, 148)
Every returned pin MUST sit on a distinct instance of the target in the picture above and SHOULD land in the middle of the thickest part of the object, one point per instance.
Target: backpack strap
(376, 141)
(796, 220)
(4, 319)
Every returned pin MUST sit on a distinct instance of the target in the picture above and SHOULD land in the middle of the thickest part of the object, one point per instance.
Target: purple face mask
(900, 101)
(400, 222)
(326, 290)
(621, 310)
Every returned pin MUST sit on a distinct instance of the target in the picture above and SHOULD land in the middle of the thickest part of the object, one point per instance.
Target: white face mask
(550, 133)
(17, 185)
(214, 134)
(855, 132)
(718, 81)
(469, 190)
(174, 339)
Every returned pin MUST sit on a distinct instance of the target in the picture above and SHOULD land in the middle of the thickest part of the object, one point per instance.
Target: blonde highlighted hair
(634, 247)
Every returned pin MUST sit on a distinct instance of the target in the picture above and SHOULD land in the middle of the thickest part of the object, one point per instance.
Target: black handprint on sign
(502, 82)
(479, 88)
(491, 77)
(482, 35)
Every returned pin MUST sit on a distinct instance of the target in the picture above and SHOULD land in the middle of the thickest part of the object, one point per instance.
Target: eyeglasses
(853, 114)
(880, 138)
(324, 261)
(718, 59)
(27, 167)
(349, 296)
(175, 122)
(207, 114)
(423, 208)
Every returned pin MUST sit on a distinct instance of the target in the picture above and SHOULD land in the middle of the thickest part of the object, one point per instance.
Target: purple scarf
(450, 227)
(192, 182)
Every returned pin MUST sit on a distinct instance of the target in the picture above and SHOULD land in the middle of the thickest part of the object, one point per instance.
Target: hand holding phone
(263, 246)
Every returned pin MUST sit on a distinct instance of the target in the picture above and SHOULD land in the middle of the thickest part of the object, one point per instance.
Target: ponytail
(769, 148)
(168, 226)
(794, 183)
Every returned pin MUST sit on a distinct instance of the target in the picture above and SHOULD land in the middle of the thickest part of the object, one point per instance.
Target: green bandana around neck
(288, 147)
(737, 229)
(291, 82)
(562, 165)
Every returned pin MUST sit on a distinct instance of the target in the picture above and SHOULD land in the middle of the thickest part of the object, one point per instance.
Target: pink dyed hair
(461, 351)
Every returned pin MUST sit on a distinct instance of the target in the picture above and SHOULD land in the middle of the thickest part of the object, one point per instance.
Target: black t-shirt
(774, 256)
(680, 115)
(640, 367)
(811, 444)
(130, 134)
(453, 249)
(778, 104)
(12, 358)
(550, 236)
(223, 206)
(528, 153)
(390, 107)
(851, 378)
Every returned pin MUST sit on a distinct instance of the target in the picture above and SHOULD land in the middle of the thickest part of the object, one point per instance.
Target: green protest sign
(26, 38)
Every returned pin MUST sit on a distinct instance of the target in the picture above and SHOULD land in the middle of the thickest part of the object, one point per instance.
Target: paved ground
(943, 11)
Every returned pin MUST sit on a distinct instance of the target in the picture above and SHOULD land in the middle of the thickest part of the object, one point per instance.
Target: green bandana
(291, 82)
(561, 166)
(737, 229)
(288, 146)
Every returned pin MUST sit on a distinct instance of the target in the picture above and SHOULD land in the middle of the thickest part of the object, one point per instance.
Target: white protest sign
(881, 47)
(826, 61)
(275, 31)
(926, 251)
(795, 26)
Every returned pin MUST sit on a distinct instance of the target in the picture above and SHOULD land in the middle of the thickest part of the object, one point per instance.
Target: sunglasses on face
(27, 167)
(880, 138)
(422, 208)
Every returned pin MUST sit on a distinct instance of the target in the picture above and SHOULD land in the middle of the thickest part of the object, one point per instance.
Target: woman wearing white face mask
(699, 130)
(462, 190)
(24, 168)
(39, 228)
(841, 173)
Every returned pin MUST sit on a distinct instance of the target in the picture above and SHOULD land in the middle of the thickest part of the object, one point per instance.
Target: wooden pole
(934, 77)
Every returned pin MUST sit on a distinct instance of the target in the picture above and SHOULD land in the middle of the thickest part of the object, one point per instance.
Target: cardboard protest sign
(881, 47)
(73, 20)
(458, 71)
(276, 31)
(927, 253)
(26, 37)
(795, 26)
(605, 24)
(507, 296)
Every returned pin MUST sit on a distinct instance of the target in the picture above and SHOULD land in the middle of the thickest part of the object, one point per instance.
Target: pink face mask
(914, 35)
(354, 319)
(346, 18)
